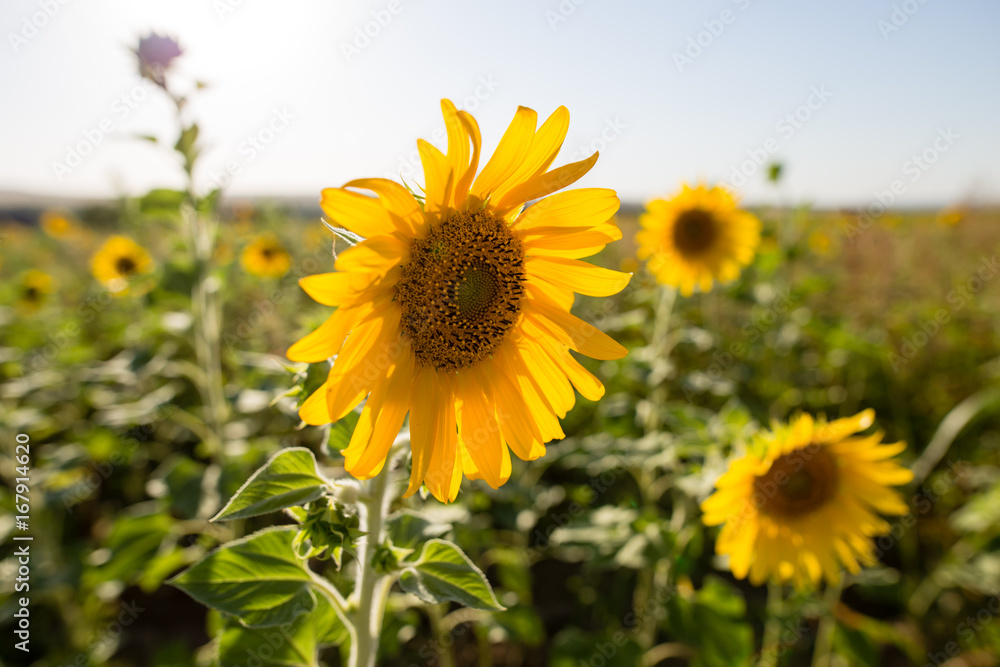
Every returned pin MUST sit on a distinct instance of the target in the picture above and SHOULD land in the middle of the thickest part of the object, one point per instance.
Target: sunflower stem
(772, 625)
(824, 635)
(658, 349)
(372, 591)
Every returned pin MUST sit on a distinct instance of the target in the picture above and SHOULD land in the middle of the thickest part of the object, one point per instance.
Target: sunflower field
(485, 417)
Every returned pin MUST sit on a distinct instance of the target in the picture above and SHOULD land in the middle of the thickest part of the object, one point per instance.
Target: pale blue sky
(613, 64)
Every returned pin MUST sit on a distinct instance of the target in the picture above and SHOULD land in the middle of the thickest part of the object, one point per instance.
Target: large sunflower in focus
(808, 504)
(455, 307)
(696, 238)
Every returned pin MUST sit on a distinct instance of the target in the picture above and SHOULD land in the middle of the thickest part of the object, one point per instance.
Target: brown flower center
(461, 291)
(695, 230)
(125, 266)
(798, 483)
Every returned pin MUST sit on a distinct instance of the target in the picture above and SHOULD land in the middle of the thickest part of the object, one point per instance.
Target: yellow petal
(367, 354)
(444, 472)
(510, 153)
(398, 201)
(570, 329)
(375, 255)
(336, 289)
(545, 145)
(479, 429)
(577, 276)
(314, 410)
(439, 179)
(581, 208)
(427, 418)
(544, 184)
(360, 214)
(326, 340)
(365, 456)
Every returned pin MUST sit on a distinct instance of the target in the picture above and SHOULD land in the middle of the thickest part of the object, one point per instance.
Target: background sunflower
(697, 237)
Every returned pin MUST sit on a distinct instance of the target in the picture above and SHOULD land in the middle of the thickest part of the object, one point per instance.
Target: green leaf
(443, 572)
(291, 644)
(161, 201)
(288, 479)
(342, 430)
(186, 143)
(407, 529)
(257, 579)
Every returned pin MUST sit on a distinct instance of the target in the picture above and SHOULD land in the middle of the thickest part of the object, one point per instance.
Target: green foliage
(291, 644)
(257, 579)
(288, 479)
(442, 573)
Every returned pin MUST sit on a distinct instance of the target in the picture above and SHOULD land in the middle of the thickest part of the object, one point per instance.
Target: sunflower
(266, 257)
(697, 237)
(35, 287)
(456, 306)
(57, 225)
(809, 502)
(119, 262)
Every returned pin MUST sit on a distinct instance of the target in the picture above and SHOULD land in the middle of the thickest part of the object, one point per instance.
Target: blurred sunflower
(951, 216)
(266, 257)
(808, 504)
(57, 225)
(119, 262)
(35, 287)
(455, 308)
(820, 243)
(697, 237)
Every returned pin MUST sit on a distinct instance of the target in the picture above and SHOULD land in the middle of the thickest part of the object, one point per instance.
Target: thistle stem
(206, 325)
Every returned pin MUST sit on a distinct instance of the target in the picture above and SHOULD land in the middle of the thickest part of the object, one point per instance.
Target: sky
(850, 97)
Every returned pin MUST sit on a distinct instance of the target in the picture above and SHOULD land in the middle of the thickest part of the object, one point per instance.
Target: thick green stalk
(824, 635)
(658, 348)
(772, 626)
(371, 593)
